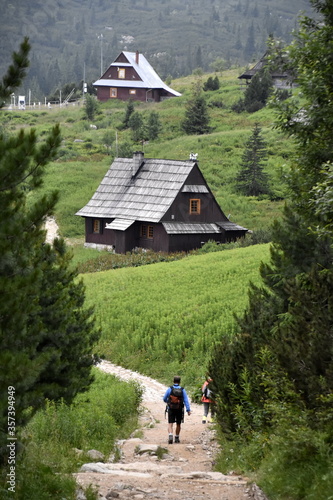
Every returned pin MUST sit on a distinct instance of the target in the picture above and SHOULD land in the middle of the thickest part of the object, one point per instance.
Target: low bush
(107, 260)
(291, 459)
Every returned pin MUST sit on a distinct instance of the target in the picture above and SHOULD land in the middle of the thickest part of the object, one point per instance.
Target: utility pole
(100, 37)
(84, 77)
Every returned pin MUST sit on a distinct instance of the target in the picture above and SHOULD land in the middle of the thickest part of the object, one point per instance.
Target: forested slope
(72, 39)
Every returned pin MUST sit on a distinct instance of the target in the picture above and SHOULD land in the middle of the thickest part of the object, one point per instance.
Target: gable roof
(149, 77)
(145, 196)
(276, 73)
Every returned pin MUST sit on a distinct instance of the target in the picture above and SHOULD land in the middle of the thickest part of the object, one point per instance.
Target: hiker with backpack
(175, 398)
(207, 400)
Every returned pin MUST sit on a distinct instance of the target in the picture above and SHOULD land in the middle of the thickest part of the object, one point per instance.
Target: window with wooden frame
(113, 92)
(132, 91)
(147, 232)
(195, 206)
(96, 226)
(121, 73)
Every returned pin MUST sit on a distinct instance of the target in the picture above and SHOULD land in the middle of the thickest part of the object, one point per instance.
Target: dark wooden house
(131, 76)
(164, 205)
(280, 78)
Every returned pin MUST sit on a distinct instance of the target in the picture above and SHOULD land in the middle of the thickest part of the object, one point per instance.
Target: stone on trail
(102, 468)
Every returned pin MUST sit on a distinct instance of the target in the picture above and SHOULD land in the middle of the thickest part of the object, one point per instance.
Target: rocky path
(149, 468)
(52, 229)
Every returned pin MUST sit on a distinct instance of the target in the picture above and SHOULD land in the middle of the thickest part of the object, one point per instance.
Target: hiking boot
(204, 419)
(170, 441)
(177, 439)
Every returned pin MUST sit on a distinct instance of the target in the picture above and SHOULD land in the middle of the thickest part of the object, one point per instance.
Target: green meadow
(164, 318)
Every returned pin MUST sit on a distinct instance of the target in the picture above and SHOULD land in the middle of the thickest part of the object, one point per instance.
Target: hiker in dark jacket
(176, 398)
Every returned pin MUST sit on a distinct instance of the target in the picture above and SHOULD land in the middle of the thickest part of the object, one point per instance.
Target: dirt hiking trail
(183, 471)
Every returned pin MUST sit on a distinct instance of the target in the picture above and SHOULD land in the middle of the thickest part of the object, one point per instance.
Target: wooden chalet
(131, 76)
(163, 205)
(281, 79)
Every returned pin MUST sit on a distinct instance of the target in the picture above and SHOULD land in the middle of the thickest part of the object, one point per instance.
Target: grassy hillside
(84, 157)
(164, 318)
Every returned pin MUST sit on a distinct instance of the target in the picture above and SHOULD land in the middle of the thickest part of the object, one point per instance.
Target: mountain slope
(72, 39)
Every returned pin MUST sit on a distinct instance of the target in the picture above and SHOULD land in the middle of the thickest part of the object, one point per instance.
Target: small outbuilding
(281, 79)
(131, 76)
(163, 205)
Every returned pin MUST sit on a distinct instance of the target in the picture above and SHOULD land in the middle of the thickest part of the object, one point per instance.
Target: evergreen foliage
(212, 83)
(154, 126)
(137, 126)
(91, 107)
(196, 119)
(16, 71)
(128, 113)
(251, 179)
(289, 319)
(46, 333)
(257, 93)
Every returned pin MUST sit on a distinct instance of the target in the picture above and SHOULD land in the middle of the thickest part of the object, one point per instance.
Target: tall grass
(57, 438)
(166, 317)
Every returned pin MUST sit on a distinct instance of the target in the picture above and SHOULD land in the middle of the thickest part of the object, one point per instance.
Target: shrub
(136, 258)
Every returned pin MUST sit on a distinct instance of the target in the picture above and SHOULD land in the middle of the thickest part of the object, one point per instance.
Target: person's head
(176, 380)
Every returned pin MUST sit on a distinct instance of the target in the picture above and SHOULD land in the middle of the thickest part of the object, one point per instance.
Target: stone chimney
(137, 161)
(137, 57)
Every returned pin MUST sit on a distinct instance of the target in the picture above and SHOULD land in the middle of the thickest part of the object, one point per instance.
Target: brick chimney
(137, 57)
(138, 157)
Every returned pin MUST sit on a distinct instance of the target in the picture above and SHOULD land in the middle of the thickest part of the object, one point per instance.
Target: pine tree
(258, 92)
(154, 126)
(137, 127)
(91, 107)
(252, 180)
(46, 333)
(129, 111)
(196, 115)
(290, 316)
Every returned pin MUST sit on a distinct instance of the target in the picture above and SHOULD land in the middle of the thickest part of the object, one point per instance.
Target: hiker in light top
(175, 398)
(207, 400)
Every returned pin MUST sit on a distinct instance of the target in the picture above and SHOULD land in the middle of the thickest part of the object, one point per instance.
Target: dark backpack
(208, 393)
(176, 398)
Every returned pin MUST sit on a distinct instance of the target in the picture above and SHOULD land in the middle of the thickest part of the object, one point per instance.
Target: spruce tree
(290, 315)
(91, 106)
(137, 127)
(154, 126)
(128, 113)
(196, 119)
(252, 180)
(46, 333)
(258, 91)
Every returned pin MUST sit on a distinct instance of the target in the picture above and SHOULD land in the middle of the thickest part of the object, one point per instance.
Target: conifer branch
(16, 71)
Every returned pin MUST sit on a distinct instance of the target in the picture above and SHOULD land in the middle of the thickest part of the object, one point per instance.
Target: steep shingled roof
(149, 77)
(146, 195)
